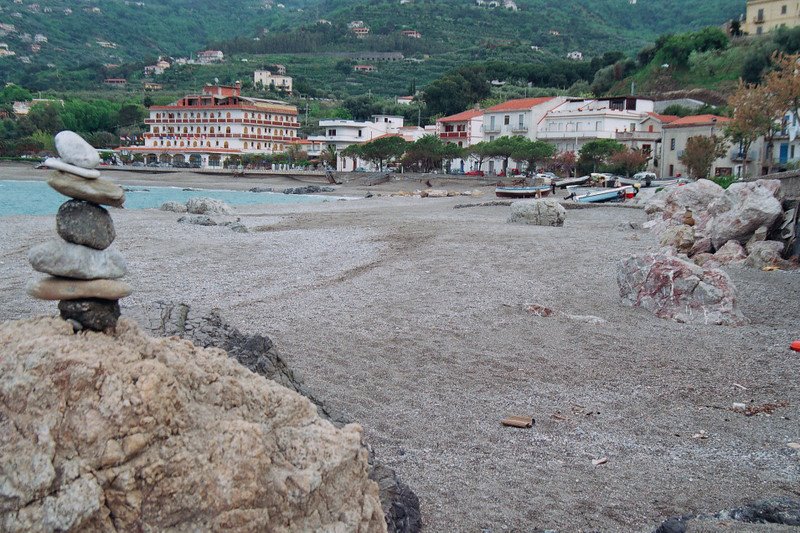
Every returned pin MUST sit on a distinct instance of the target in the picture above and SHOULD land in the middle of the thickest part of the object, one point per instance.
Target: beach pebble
(91, 313)
(86, 223)
(98, 191)
(64, 259)
(58, 164)
(73, 149)
(71, 289)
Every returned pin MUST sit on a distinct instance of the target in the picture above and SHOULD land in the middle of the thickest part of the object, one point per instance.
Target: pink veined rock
(730, 252)
(670, 287)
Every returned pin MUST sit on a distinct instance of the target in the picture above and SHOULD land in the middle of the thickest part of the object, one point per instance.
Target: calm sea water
(37, 198)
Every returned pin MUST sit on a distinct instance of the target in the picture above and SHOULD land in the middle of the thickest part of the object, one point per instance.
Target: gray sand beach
(409, 317)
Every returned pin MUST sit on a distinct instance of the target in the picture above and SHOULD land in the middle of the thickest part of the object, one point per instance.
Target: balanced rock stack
(84, 271)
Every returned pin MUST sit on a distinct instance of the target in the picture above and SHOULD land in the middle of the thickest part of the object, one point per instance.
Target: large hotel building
(205, 129)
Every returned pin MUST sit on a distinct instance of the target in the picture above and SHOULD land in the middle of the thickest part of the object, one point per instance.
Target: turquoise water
(37, 198)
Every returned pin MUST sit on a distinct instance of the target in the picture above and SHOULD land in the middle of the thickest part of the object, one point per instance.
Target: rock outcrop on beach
(744, 213)
(765, 515)
(84, 270)
(207, 206)
(108, 432)
(677, 289)
(258, 353)
(545, 212)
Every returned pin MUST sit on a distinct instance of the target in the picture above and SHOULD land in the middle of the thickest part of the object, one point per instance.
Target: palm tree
(329, 156)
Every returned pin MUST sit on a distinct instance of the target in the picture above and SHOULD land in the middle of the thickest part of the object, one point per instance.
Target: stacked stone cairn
(84, 271)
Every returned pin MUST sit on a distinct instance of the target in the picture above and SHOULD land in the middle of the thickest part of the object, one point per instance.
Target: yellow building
(765, 15)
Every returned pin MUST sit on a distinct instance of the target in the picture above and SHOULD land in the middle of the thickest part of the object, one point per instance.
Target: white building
(268, 79)
(463, 129)
(205, 129)
(578, 121)
(647, 136)
(343, 133)
(210, 56)
(520, 117)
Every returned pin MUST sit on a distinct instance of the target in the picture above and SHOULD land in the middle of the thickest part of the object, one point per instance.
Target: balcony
(519, 128)
(490, 129)
(568, 135)
(638, 136)
(759, 20)
(453, 135)
(737, 155)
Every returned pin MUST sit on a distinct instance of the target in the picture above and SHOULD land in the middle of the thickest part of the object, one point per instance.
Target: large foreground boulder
(670, 287)
(545, 212)
(207, 328)
(670, 204)
(744, 208)
(128, 432)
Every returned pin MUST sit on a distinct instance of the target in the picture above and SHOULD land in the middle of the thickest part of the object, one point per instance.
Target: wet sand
(409, 317)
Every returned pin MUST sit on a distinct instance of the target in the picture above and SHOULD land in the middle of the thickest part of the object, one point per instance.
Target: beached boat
(566, 182)
(594, 195)
(535, 191)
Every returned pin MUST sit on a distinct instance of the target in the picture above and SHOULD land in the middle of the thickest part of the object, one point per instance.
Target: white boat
(535, 191)
(593, 195)
(564, 183)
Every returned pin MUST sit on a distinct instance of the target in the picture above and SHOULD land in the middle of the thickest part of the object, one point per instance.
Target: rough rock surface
(68, 260)
(308, 189)
(744, 208)
(128, 432)
(670, 287)
(91, 313)
(670, 204)
(681, 238)
(98, 191)
(765, 253)
(175, 207)
(758, 516)
(86, 223)
(52, 288)
(730, 252)
(545, 212)
(199, 220)
(256, 352)
(207, 206)
(73, 149)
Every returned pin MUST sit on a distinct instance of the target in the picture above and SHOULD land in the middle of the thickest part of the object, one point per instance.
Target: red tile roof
(519, 104)
(463, 116)
(697, 120)
(666, 119)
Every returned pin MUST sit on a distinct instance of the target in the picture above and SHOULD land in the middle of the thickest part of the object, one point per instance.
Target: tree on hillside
(532, 151)
(629, 161)
(130, 114)
(700, 153)
(595, 155)
(46, 118)
(383, 149)
(456, 91)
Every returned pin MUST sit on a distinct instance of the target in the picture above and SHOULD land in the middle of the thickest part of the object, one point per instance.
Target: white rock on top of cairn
(88, 296)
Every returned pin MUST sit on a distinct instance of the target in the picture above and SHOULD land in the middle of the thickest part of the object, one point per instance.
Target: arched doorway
(196, 160)
(214, 160)
(179, 158)
(151, 158)
(165, 158)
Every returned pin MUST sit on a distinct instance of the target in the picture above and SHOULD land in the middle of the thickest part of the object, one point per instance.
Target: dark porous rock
(399, 503)
(258, 353)
(86, 223)
(308, 189)
(261, 189)
(91, 313)
(236, 227)
(779, 511)
(200, 220)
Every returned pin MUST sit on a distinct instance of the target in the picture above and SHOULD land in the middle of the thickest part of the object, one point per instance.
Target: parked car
(475, 173)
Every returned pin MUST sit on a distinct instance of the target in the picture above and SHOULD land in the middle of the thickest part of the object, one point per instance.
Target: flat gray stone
(86, 223)
(57, 164)
(545, 212)
(73, 149)
(91, 313)
(67, 260)
(200, 220)
(98, 191)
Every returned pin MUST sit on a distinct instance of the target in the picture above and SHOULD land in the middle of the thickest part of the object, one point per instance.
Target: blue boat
(600, 195)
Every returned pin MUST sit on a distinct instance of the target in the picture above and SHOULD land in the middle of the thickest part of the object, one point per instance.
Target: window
(783, 9)
(521, 121)
(597, 125)
(228, 129)
(650, 128)
(633, 126)
(245, 146)
(672, 170)
(225, 145)
(791, 151)
(359, 133)
(506, 120)
(331, 133)
(759, 30)
(671, 147)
